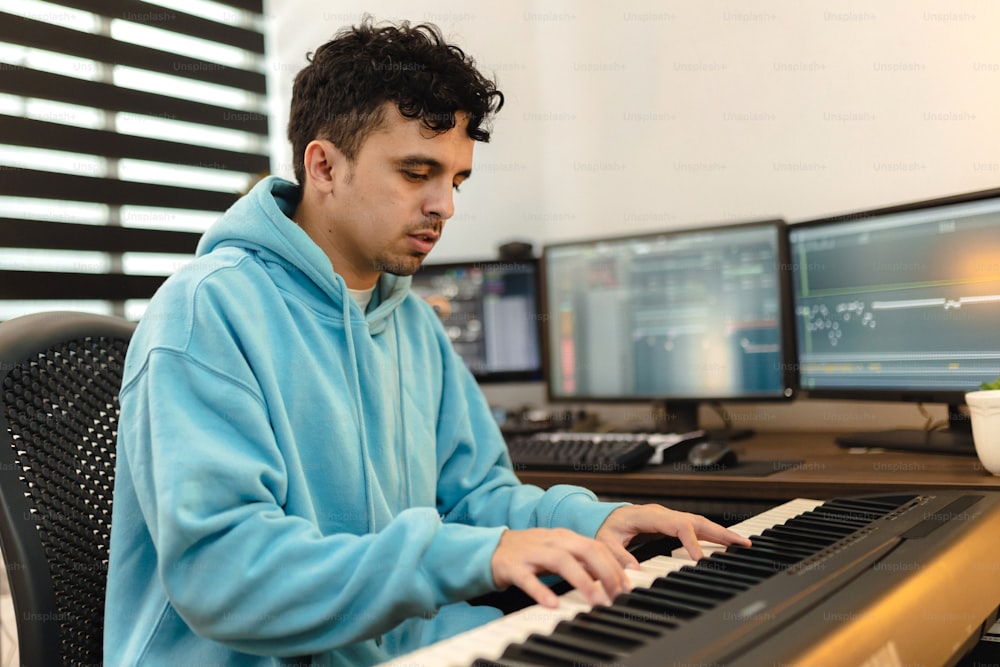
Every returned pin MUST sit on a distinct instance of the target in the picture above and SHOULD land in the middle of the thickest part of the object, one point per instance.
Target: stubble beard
(408, 264)
(399, 266)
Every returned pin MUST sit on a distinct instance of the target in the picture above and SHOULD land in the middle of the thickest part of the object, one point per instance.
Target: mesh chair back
(60, 374)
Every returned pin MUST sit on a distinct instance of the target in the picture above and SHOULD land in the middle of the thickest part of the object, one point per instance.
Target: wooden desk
(825, 471)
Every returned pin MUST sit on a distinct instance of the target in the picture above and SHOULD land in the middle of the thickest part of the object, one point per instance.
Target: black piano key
(615, 619)
(852, 513)
(772, 544)
(827, 522)
(643, 599)
(648, 617)
(783, 546)
(724, 584)
(549, 651)
(743, 564)
(754, 557)
(833, 532)
(836, 518)
(588, 634)
(704, 570)
(713, 590)
(771, 554)
(723, 579)
(799, 536)
(720, 568)
(861, 508)
(665, 590)
(516, 654)
(848, 527)
(806, 529)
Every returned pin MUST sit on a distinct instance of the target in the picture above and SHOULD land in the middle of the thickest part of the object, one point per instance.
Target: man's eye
(457, 187)
(415, 176)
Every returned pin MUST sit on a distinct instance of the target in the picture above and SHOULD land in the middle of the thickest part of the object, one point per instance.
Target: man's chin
(404, 266)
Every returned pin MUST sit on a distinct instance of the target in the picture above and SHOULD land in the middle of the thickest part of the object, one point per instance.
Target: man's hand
(630, 520)
(588, 565)
(596, 567)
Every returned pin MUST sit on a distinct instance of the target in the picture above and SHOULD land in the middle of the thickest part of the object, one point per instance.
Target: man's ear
(324, 164)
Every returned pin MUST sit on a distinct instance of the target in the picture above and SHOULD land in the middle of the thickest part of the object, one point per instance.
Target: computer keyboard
(595, 452)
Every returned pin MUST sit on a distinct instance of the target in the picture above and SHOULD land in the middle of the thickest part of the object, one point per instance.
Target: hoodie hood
(261, 222)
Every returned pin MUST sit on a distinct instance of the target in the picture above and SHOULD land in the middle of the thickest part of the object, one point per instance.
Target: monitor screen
(681, 316)
(899, 303)
(490, 312)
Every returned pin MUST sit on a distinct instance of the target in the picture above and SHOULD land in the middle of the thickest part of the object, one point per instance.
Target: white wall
(639, 115)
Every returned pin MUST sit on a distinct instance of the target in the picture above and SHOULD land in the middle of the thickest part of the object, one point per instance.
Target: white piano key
(490, 640)
(654, 568)
(757, 524)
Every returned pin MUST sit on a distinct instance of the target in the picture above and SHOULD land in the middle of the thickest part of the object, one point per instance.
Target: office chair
(60, 373)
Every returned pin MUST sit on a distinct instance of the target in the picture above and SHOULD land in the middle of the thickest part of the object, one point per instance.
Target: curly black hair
(339, 95)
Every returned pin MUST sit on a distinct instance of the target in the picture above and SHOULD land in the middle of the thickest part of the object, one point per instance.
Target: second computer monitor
(682, 316)
(490, 312)
(901, 304)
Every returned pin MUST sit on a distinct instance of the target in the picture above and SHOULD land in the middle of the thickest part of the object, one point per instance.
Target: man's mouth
(423, 242)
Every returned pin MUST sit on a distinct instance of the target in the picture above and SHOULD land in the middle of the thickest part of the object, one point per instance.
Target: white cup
(984, 410)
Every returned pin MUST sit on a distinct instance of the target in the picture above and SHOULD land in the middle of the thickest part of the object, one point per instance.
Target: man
(306, 469)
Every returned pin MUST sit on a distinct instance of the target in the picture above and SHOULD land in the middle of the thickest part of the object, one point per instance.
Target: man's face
(387, 209)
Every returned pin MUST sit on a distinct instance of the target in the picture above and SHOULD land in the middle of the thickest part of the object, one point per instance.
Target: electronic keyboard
(891, 579)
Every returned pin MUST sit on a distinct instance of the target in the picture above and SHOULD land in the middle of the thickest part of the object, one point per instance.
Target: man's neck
(321, 233)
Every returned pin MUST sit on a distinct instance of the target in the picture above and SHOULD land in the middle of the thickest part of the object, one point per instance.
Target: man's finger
(689, 539)
(539, 592)
(623, 556)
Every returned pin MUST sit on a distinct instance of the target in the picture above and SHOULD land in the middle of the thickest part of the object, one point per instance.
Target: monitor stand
(682, 417)
(675, 416)
(956, 439)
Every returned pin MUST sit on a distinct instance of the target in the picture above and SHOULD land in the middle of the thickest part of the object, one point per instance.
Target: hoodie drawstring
(358, 411)
(402, 413)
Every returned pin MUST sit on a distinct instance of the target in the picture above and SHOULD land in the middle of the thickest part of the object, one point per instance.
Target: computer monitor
(901, 304)
(676, 318)
(490, 310)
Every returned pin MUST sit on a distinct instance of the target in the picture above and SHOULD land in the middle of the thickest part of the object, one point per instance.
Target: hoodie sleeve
(477, 484)
(211, 484)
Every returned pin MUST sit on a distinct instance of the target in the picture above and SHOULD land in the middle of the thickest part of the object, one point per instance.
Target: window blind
(126, 127)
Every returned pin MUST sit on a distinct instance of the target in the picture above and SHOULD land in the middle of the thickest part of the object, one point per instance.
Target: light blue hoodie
(296, 477)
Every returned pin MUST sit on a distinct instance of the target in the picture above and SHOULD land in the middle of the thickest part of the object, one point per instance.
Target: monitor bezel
(788, 352)
(890, 395)
(503, 377)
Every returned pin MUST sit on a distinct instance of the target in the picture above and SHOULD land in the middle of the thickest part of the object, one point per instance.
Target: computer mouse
(711, 455)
